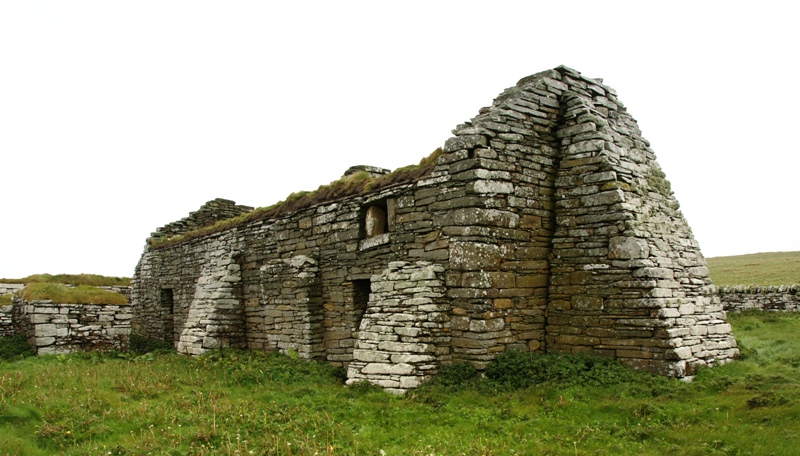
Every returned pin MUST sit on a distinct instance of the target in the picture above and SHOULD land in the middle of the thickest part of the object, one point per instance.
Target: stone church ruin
(544, 224)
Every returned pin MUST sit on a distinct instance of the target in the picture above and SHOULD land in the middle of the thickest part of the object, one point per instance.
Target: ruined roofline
(546, 225)
(350, 185)
(361, 180)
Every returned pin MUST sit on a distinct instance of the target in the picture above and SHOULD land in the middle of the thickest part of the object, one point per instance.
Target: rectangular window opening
(375, 219)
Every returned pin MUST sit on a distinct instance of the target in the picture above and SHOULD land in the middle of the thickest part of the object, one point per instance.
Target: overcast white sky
(119, 117)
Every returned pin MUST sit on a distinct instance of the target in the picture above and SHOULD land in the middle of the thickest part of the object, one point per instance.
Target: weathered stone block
(470, 256)
(467, 142)
(491, 187)
(627, 248)
(586, 303)
(604, 198)
(386, 368)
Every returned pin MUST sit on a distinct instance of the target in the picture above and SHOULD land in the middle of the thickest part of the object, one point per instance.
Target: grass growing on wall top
(73, 279)
(353, 185)
(267, 404)
(62, 294)
(774, 268)
(5, 300)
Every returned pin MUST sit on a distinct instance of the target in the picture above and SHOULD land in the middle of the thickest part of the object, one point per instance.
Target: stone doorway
(168, 315)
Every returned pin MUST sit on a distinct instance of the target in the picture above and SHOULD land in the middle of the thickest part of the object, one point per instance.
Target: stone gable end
(546, 225)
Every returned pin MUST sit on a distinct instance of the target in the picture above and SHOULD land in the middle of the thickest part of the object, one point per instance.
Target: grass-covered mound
(73, 279)
(353, 185)
(62, 294)
(254, 403)
(775, 268)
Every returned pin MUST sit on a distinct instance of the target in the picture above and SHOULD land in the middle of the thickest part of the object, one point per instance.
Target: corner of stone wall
(500, 219)
(628, 279)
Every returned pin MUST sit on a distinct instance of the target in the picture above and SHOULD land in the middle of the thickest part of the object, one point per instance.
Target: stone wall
(65, 328)
(784, 298)
(546, 221)
(211, 212)
(292, 317)
(405, 332)
(10, 288)
(6, 321)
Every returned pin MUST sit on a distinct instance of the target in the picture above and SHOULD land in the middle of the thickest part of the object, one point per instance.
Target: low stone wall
(784, 298)
(6, 321)
(10, 288)
(66, 328)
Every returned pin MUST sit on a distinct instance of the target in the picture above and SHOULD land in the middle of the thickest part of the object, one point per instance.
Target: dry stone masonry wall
(405, 332)
(546, 225)
(208, 214)
(6, 321)
(292, 316)
(65, 328)
(10, 288)
(784, 298)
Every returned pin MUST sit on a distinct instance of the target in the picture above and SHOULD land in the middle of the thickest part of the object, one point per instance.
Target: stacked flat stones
(216, 319)
(6, 321)
(292, 316)
(783, 298)
(404, 334)
(11, 288)
(546, 219)
(208, 214)
(65, 328)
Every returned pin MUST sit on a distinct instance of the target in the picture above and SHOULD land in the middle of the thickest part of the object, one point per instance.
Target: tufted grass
(94, 280)
(5, 300)
(353, 185)
(774, 268)
(253, 403)
(62, 294)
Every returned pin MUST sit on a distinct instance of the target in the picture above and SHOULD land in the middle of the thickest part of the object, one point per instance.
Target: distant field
(775, 268)
(93, 280)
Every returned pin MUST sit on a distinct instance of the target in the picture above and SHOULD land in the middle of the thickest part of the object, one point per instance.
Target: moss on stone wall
(82, 294)
(353, 185)
(658, 182)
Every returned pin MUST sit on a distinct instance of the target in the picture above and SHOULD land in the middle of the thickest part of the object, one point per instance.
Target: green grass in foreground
(775, 268)
(5, 300)
(82, 294)
(252, 403)
(73, 279)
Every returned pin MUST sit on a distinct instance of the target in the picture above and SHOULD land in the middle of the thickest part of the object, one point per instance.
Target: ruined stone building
(544, 224)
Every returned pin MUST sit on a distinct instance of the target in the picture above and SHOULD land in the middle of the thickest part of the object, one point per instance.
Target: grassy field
(250, 403)
(93, 280)
(775, 268)
(81, 294)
